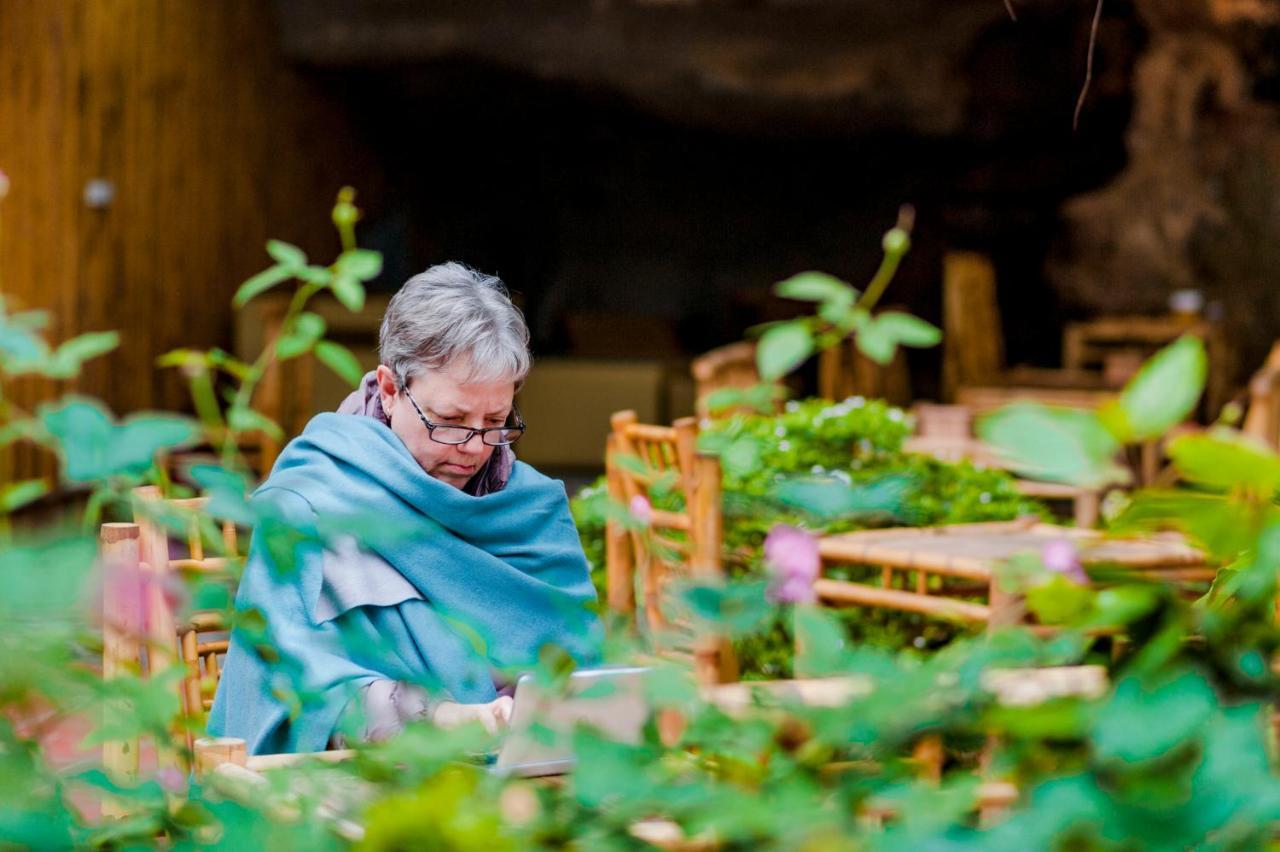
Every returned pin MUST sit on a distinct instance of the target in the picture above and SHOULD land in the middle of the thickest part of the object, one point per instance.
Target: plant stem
(244, 395)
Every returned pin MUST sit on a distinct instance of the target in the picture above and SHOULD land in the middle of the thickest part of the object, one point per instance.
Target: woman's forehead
(450, 389)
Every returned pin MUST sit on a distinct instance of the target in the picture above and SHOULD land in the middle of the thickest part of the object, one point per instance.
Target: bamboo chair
(685, 543)
(153, 643)
(730, 366)
(202, 636)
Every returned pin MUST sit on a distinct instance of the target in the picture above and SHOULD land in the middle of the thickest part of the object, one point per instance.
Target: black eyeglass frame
(471, 433)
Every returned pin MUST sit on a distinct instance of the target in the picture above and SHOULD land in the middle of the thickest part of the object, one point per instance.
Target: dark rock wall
(672, 159)
(1198, 205)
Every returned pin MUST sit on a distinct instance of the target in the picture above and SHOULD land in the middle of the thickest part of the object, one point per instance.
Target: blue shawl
(492, 580)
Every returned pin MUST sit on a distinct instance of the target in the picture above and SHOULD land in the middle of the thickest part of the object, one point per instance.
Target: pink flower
(125, 594)
(642, 509)
(792, 557)
(1060, 556)
(171, 780)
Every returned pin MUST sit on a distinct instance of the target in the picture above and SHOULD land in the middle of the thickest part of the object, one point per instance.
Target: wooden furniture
(141, 631)
(1119, 344)
(685, 543)
(201, 636)
(973, 353)
(843, 371)
(1262, 416)
(950, 571)
(730, 366)
(972, 339)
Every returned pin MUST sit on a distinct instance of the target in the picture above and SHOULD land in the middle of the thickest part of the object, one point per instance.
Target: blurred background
(640, 172)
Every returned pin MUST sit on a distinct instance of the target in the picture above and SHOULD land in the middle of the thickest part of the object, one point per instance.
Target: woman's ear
(387, 389)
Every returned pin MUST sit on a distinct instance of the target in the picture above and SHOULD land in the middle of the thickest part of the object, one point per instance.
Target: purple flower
(1060, 556)
(642, 509)
(792, 557)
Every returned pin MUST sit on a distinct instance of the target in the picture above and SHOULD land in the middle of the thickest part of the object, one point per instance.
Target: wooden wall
(213, 145)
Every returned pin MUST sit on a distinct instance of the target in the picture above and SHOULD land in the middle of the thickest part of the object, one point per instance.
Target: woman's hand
(494, 715)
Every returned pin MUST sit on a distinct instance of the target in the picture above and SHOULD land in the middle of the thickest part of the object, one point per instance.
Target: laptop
(539, 739)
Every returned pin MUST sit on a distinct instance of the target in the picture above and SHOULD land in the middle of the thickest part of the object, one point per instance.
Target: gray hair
(452, 314)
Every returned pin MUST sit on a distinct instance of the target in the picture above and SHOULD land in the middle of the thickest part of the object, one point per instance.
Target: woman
(406, 564)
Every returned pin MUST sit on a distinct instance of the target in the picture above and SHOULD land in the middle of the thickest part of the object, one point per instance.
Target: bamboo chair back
(731, 366)
(675, 543)
(149, 637)
(973, 339)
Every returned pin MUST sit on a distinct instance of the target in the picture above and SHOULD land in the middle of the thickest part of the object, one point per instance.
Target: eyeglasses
(494, 436)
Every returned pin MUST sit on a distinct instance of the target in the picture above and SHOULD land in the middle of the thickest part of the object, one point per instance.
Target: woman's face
(447, 401)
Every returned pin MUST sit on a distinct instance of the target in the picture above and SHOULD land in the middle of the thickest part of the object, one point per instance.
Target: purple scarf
(365, 401)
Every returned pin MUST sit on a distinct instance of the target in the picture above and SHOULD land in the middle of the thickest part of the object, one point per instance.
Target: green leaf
(183, 358)
(68, 357)
(722, 399)
(302, 334)
(45, 577)
(18, 430)
(348, 291)
(243, 419)
(782, 348)
(1055, 444)
(1165, 391)
(1059, 600)
(315, 275)
(1226, 459)
(364, 264)
(287, 255)
(821, 645)
(94, 448)
(831, 498)
(876, 341)
(815, 287)
(260, 283)
(909, 330)
(1125, 730)
(340, 359)
(736, 609)
(15, 495)
(1220, 525)
(742, 456)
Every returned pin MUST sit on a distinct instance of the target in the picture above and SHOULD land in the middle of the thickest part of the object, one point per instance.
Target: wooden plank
(838, 591)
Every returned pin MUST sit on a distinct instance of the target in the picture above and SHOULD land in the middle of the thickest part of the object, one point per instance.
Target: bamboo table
(967, 556)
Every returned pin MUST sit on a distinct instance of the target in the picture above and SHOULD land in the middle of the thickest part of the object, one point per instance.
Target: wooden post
(1086, 508)
(161, 626)
(1006, 608)
(212, 752)
(829, 370)
(118, 550)
(928, 754)
(619, 559)
(714, 661)
(973, 340)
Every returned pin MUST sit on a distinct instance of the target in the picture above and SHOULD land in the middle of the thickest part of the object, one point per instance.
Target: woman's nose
(472, 445)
